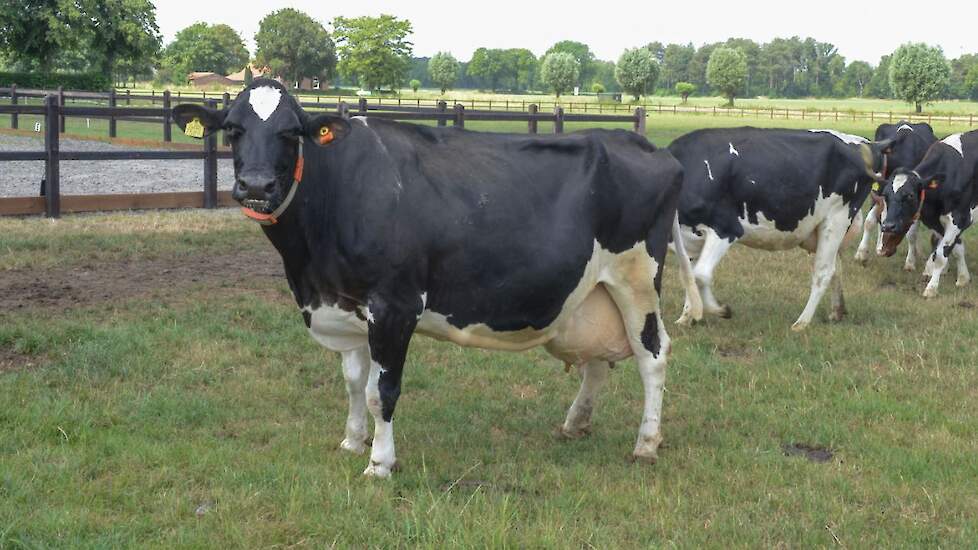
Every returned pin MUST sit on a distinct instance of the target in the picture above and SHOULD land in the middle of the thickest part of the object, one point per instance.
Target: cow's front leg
(389, 329)
(938, 260)
(356, 367)
(964, 276)
(594, 374)
(830, 235)
(714, 249)
(869, 226)
(910, 263)
(838, 299)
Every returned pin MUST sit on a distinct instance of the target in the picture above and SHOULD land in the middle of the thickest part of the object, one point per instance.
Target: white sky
(861, 29)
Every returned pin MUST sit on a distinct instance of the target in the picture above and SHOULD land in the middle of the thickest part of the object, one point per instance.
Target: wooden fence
(54, 111)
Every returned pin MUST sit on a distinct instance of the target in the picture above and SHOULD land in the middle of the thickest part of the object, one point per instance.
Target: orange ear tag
(325, 135)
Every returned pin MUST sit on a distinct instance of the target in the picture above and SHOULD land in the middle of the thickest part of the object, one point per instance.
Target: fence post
(210, 165)
(128, 98)
(363, 106)
(13, 101)
(52, 174)
(343, 110)
(167, 117)
(459, 115)
(558, 119)
(225, 101)
(61, 103)
(640, 121)
(112, 125)
(531, 125)
(442, 107)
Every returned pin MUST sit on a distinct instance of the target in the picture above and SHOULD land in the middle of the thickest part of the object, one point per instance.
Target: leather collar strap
(272, 219)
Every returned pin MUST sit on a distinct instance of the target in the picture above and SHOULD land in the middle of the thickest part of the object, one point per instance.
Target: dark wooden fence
(54, 111)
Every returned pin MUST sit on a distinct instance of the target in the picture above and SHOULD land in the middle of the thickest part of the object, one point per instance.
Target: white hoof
(378, 470)
(799, 326)
(647, 449)
(862, 256)
(962, 281)
(685, 320)
(357, 447)
(930, 293)
(910, 268)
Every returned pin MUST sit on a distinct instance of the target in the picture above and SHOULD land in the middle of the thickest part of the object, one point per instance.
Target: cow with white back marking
(489, 240)
(909, 143)
(773, 190)
(942, 192)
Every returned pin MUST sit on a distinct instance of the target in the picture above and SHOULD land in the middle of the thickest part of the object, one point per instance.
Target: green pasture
(198, 413)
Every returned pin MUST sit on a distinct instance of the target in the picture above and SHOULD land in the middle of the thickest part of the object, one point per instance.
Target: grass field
(158, 388)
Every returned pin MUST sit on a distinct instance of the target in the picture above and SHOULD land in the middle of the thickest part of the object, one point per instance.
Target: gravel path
(23, 179)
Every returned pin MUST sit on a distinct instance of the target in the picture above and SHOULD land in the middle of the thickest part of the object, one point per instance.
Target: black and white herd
(510, 242)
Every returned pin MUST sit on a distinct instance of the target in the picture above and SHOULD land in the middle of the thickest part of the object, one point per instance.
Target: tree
(560, 71)
(637, 71)
(597, 88)
(971, 82)
(918, 73)
(294, 45)
(879, 84)
(960, 68)
(697, 65)
(675, 63)
(524, 67)
(855, 81)
(582, 53)
(443, 69)
(414, 84)
(684, 89)
(34, 32)
(374, 50)
(727, 71)
(604, 74)
(488, 66)
(119, 34)
(204, 48)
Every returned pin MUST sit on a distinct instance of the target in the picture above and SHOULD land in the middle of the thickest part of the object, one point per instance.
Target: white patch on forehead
(899, 181)
(904, 127)
(709, 171)
(734, 151)
(846, 138)
(264, 101)
(954, 141)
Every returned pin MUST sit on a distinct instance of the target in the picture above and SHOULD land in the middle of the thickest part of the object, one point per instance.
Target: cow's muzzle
(891, 240)
(257, 194)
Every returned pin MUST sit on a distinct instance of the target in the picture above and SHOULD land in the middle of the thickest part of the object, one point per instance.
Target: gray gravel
(23, 179)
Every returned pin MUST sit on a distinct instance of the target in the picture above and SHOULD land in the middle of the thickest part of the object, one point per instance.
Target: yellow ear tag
(876, 186)
(325, 135)
(194, 128)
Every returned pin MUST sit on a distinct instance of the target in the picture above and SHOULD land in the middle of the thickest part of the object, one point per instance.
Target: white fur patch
(904, 127)
(734, 151)
(899, 181)
(264, 101)
(846, 138)
(954, 141)
(709, 171)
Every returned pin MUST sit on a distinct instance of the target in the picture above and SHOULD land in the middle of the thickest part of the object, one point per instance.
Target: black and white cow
(942, 191)
(909, 143)
(773, 189)
(496, 241)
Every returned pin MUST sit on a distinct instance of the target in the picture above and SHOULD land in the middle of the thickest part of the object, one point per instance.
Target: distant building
(238, 78)
(206, 80)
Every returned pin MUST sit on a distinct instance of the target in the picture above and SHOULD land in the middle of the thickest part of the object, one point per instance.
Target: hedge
(88, 82)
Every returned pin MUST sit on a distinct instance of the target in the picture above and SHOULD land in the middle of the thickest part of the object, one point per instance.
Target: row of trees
(121, 37)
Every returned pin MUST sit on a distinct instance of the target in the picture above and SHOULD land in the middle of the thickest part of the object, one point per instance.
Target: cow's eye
(234, 131)
(291, 133)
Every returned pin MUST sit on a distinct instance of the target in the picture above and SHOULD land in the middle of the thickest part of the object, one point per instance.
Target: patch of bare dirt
(813, 453)
(10, 360)
(96, 284)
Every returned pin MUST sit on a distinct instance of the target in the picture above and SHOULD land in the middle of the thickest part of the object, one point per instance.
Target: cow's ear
(326, 130)
(198, 121)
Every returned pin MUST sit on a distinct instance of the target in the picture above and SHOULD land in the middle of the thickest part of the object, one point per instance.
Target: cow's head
(902, 195)
(906, 144)
(268, 130)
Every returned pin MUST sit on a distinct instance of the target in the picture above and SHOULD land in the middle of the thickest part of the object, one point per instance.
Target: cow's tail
(693, 307)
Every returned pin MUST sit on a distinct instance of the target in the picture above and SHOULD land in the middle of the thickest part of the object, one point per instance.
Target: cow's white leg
(594, 374)
(714, 248)
(838, 299)
(939, 259)
(356, 366)
(869, 225)
(638, 302)
(910, 264)
(830, 235)
(382, 458)
(964, 277)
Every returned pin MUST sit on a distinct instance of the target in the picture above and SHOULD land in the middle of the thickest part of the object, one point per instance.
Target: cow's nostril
(242, 185)
(269, 187)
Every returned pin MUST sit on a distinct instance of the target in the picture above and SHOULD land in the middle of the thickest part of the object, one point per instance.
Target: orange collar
(923, 194)
(272, 218)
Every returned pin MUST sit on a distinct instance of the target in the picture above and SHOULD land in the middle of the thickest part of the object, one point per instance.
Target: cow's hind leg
(838, 299)
(939, 258)
(869, 226)
(631, 288)
(356, 366)
(964, 276)
(714, 249)
(830, 235)
(594, 374)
